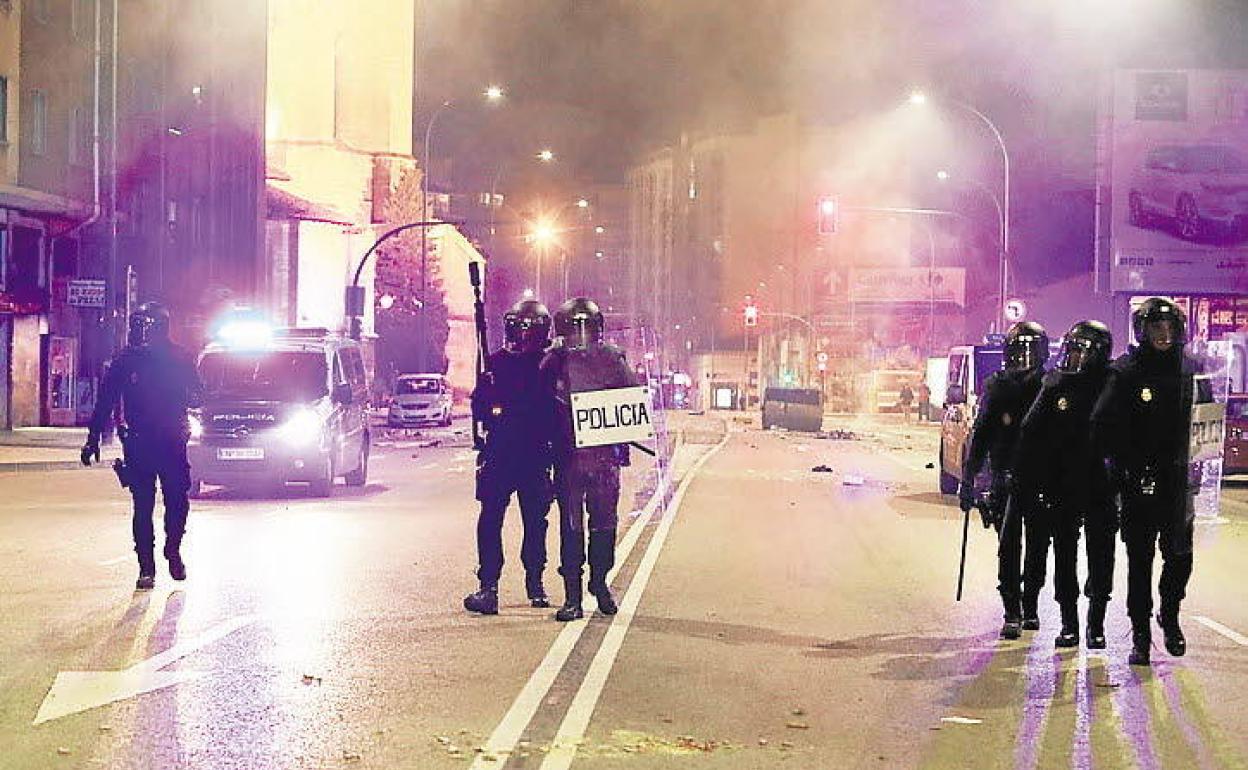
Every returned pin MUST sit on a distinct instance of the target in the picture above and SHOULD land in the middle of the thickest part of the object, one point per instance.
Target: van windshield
(408, 387)
(987, 362)
(265, 376)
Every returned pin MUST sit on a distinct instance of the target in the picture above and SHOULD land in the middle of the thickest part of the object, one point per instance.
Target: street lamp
(546, 156)
(493, 93)
(919, 98)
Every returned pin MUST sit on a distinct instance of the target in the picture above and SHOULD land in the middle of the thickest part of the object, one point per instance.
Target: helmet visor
(1077, 355)
(1025, 352)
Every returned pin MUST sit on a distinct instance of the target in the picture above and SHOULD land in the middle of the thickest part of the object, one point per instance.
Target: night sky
(602, 80)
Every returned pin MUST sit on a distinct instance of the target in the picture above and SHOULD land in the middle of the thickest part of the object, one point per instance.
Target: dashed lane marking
(1218, 628)
(118, 560)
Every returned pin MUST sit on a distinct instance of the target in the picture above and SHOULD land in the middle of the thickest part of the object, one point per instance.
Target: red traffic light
(829, 210)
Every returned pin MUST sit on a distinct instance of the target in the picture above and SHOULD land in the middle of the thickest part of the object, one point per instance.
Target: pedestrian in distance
(925, 401)
(510, 405)
(587, 479)
(905, 397)
(1008, 395)
(154, 383)
(1063, 480)
(1141, 425)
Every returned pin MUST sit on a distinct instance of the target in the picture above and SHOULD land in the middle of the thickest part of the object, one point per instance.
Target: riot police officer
(515, 458)
(154, 381)
(1057, 470)
(587, 479)
(1141, 425)
(1008, 395)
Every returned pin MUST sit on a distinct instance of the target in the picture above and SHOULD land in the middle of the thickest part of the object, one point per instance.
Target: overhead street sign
(615, 416)
(1015, 310)
(87, 292)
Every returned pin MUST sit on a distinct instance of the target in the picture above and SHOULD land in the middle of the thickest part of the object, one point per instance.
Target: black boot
(1176, 643)
(601, 560)
(1031, 616)
(1012, 628)
(536, 591)
(484, 600)
(147, 571)
(177, 568)
(1141, 642)
(1096, 625)
(571, 609)
(1069, 635)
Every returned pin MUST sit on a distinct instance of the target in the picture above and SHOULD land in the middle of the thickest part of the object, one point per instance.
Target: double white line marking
(505, 737)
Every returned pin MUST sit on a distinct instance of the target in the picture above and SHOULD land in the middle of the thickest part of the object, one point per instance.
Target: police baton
(966, 526)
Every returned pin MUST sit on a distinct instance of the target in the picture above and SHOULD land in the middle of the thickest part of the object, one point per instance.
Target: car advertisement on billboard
(1179, 170)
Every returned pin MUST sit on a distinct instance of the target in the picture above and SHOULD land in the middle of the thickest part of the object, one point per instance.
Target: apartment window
(79, 136)
(4, 110)
(38, 122)
(82, 19)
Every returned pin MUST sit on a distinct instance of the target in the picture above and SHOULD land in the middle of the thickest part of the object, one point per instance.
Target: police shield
(1206, 395)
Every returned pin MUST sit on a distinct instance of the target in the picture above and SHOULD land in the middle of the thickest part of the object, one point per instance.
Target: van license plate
(240, 453)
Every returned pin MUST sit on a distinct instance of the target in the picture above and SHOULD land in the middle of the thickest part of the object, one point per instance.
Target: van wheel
(359, 476)
(324, 486)
(948, 482)
(446, 421)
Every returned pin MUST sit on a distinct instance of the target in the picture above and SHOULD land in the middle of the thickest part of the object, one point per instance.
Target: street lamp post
(1002, 236)
(919, 98)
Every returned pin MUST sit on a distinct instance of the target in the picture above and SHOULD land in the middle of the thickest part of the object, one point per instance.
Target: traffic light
(829, 211)
(751, 312)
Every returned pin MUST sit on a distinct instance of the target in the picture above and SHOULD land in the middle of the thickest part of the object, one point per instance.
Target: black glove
(89, 450)
(966, 497)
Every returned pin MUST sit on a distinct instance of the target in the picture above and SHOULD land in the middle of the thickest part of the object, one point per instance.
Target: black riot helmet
(1026, 346)
(579, 322)
(1086, 347)
(526, 327)
(1159, 324)
(148, 324)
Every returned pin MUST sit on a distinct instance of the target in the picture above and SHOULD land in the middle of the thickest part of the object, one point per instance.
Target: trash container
(798, 409)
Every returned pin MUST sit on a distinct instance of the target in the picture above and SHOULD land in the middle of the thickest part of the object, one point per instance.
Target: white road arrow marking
(76, 691)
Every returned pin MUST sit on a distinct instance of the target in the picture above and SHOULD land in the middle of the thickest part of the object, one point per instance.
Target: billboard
(908, 285)
(1179, 173)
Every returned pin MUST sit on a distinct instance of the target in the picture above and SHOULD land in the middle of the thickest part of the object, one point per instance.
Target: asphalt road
(771, 617)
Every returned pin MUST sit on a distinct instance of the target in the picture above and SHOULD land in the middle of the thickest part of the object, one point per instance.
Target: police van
(280, 405)
(970, 366)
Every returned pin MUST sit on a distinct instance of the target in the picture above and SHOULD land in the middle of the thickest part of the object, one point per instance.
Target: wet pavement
(771, 617)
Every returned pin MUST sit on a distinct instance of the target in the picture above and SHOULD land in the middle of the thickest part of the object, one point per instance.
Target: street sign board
(87, 292)
(615, 416)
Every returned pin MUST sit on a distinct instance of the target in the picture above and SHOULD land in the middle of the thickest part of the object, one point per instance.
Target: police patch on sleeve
(1063, 404)
(1007, 419)
(1146, 394)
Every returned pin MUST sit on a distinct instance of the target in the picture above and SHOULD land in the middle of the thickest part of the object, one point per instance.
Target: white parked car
(1201, 188)
(421, 399)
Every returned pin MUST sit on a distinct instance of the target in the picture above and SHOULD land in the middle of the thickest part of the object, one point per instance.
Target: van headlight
(302, 427)
(195, 425)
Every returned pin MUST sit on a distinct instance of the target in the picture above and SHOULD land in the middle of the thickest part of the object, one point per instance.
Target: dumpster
(793, 409)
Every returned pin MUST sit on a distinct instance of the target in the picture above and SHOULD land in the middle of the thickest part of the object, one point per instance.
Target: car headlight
(302, 427)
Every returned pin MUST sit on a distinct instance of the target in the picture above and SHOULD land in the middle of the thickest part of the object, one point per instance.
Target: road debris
(351, 756)
(429, 444)
(798, 712)
(64, 751)
(310, 679)
(962, 720)
(794, 725)
(930, 466)
(837, 435)
(851, 480)
(821, 469)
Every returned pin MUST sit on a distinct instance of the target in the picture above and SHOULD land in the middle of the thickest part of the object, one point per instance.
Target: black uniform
(516, 459)
(587, 480)
(155, 384)
(1141, 424)
(1007, 397)
(1057, 468)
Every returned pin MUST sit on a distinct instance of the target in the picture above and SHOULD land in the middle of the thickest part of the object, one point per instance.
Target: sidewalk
(46, 449)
